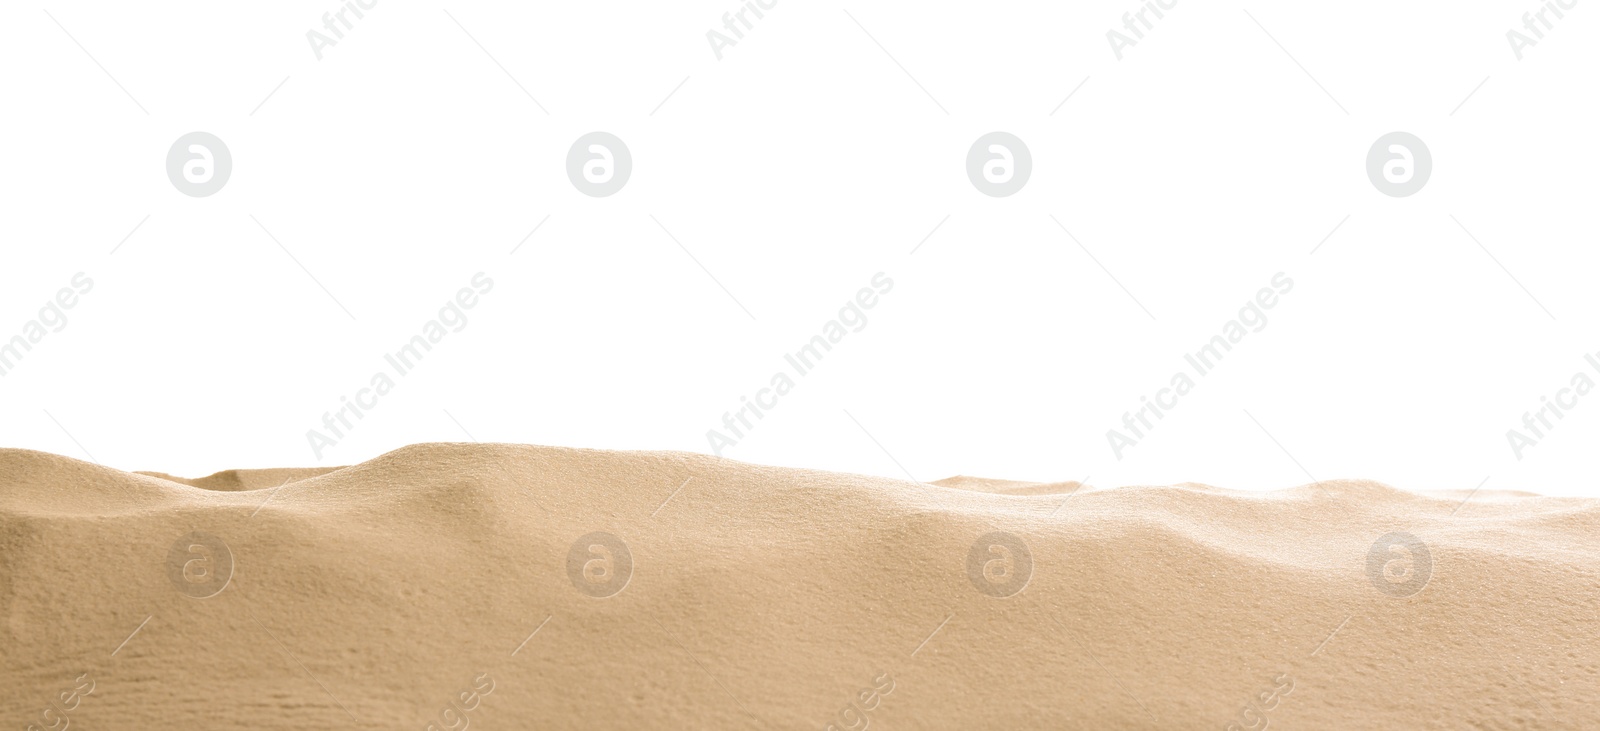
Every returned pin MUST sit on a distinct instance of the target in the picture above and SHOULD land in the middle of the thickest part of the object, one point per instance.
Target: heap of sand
(448, 585)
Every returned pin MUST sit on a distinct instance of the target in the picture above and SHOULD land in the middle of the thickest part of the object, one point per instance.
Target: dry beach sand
(517, 587)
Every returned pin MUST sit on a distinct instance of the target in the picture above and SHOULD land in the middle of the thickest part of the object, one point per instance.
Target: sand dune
(518, 587)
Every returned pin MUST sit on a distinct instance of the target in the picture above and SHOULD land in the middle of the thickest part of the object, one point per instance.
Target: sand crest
(506, 586)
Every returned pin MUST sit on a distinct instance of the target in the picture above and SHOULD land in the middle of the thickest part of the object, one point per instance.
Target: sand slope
(402, 592)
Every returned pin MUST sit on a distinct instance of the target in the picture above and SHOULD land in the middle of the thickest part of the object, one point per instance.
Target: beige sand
(407, 591)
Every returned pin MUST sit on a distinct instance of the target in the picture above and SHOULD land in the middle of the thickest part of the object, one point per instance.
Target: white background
(793, 169)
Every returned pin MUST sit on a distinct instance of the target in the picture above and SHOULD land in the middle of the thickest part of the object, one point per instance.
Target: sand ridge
(514, 586)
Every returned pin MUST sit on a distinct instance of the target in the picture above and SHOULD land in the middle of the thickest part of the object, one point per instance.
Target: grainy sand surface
(521, 587)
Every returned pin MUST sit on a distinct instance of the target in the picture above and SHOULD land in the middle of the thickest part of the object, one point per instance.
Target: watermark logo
(198, 164)
(1398, 164)
(1399, 564)
(1252, 318)
(454, 716)
(599, 565)
(736, 23)
(852, 318)
(1536, 23)
(54, 716)
(999, 164)
(1136, 23)
(1253, 716)
(336, 23)
(999, 564)
(853, 717)
(200, 565)
(452, 318)
(52, 318)
(599, 164)
(1538, 423)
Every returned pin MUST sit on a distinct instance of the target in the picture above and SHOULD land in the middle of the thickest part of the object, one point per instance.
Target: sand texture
(450, 586)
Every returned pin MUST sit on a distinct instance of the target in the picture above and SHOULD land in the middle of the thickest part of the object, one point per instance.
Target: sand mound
(531, 587)
(230, 480)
